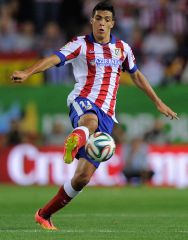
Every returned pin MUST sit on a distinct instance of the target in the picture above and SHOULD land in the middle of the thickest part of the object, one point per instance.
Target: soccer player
(97, 61)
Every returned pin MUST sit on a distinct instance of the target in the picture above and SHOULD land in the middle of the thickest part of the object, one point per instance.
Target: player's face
(102, 23)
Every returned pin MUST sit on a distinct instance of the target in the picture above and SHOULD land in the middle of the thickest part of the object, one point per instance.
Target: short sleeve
(69, 52)
(129, 63)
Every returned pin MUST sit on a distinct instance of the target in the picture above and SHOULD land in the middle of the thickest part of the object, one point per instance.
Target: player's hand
(19, 76)
(164, 109)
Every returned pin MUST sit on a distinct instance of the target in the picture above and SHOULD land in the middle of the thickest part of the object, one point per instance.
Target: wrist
(28, 72)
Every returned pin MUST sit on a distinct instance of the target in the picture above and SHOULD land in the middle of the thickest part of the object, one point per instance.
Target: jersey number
(87, 105)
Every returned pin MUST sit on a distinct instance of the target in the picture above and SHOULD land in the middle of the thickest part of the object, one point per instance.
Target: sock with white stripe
(83, 133)
(65, 194)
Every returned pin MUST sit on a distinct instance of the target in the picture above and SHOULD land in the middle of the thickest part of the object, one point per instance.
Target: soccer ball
(100, 146)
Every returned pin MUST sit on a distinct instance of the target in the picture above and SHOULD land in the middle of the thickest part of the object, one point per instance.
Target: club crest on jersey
(118, 52)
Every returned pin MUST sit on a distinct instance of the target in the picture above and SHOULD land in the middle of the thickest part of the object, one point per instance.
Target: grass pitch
(130, 213)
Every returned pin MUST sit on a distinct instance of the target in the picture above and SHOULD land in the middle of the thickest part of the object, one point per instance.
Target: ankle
(43, 215)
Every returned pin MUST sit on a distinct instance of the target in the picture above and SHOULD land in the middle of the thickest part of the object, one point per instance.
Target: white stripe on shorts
(77, 108)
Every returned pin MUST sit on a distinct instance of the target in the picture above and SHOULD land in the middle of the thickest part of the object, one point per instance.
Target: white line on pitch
(81, 231)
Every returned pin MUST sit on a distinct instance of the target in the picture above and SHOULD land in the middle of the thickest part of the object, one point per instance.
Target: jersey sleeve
(69, 52)
(129, 63)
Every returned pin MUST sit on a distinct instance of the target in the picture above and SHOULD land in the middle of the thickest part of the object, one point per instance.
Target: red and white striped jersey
(97, 68)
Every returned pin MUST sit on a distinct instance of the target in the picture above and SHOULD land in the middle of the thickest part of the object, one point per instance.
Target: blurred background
(34, 120)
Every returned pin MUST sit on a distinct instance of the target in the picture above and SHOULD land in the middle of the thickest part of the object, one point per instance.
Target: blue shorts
(81, 106)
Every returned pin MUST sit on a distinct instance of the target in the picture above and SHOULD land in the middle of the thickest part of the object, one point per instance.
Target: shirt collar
(92, 39)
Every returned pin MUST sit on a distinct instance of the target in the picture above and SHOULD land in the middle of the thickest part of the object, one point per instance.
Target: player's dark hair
(104, 5)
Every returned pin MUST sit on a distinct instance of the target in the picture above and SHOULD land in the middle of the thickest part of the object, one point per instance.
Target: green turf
(130, 213)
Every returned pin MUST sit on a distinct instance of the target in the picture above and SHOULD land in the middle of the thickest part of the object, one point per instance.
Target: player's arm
(141, 82)
(40, 66)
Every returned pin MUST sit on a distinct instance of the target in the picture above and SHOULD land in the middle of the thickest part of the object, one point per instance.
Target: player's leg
(83, 174)
(66, 193)
(88, 123)
(86, 166)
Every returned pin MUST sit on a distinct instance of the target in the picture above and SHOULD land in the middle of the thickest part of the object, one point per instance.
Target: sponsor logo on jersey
(107, 62)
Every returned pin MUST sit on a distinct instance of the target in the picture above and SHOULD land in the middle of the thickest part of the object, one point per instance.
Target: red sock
(58, 202)
(82, 137)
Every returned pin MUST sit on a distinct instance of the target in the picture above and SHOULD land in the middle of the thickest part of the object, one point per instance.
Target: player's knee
(80, 180)
(90, 121)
